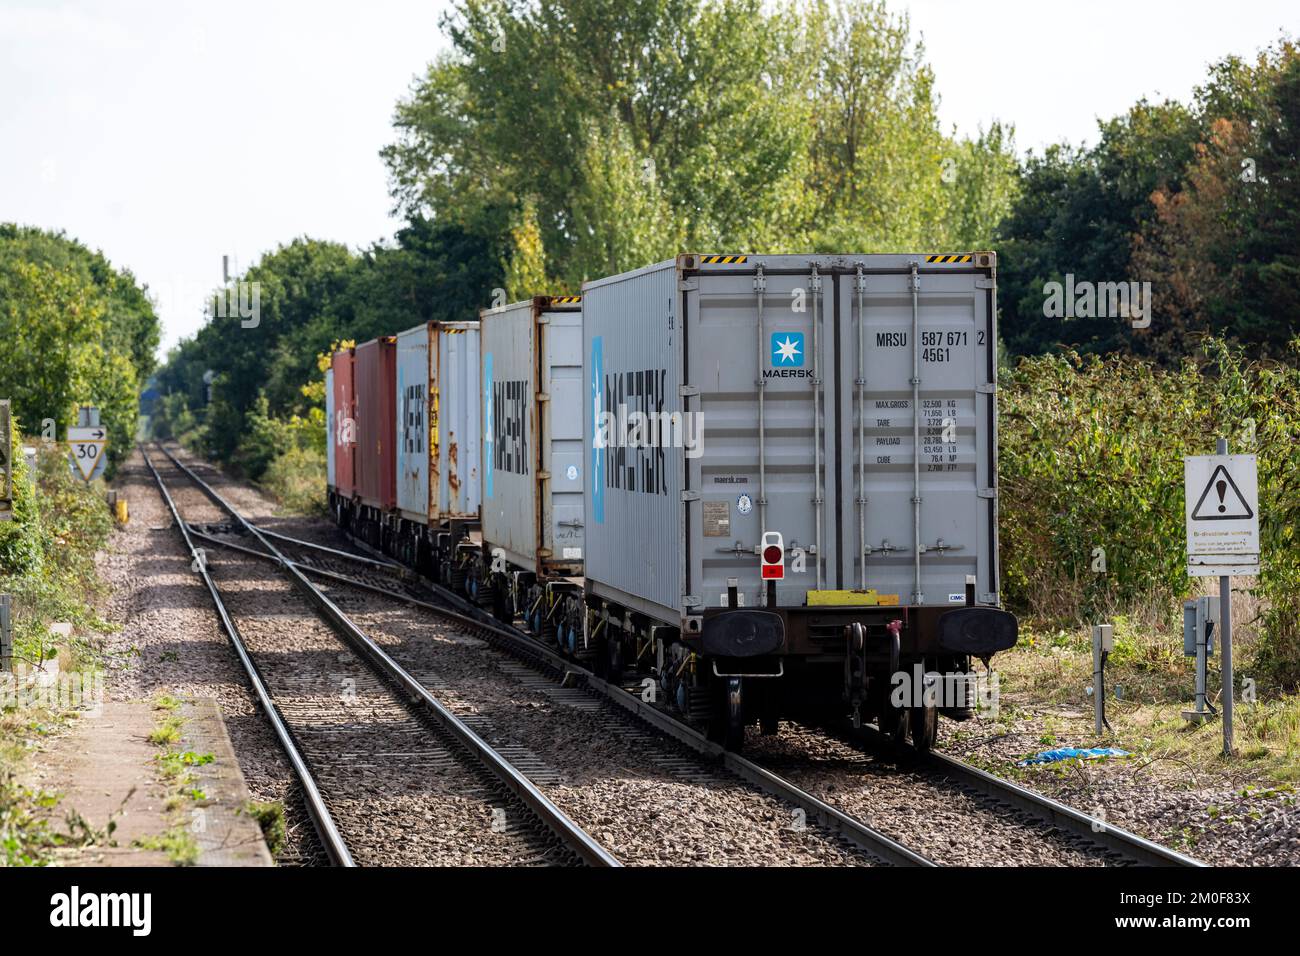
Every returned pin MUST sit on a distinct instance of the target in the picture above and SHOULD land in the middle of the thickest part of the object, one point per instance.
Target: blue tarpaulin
(1070, 753)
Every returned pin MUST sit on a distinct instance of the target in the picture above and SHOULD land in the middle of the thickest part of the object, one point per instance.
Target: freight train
(759, 487)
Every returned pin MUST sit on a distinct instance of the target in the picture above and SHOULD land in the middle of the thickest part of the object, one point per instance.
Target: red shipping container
(376, 393)
(343, 430)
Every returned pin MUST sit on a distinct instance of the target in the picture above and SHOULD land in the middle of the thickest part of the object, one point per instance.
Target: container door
(953, 353)
(458, 396)
(729, 351)
(413, 421)
(329, 427)
(562, 450)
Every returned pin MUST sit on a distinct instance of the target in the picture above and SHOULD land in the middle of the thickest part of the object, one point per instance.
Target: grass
(168, 732)
(270, 817)
(176, 841)
(176, 771)
(1149, 684)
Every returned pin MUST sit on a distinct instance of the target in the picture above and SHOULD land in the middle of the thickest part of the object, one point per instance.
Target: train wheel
(893, 723)
(923, 726)
(501, 609)
(614, 655)
(727, 719)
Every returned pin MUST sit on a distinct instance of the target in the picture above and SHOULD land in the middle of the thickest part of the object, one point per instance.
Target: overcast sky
(167, 134)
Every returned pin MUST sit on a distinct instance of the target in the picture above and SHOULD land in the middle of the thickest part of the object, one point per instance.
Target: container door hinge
(987, 492)
(691, 600)
(989, 597)
(688, 495)
(543, 476)
(985, 282)
(688, 391)
(543, 396)
(687, 285)
(988, 388)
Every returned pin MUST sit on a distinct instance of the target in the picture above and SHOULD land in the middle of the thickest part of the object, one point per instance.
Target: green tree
(55, 323)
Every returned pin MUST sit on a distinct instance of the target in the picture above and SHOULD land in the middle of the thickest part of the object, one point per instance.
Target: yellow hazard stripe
(722, 260)
(565, 299)
(965, 258)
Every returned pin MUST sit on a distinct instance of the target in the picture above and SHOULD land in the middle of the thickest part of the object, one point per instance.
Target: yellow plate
(842, 598)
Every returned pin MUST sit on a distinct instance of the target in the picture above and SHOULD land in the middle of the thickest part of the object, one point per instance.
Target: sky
(168, 134)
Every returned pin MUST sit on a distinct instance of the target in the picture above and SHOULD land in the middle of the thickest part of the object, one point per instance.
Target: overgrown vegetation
(1091, 469)
(47, 554)
(76, 332)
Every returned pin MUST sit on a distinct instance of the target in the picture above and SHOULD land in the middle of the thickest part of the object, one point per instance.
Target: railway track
(699, 761)
(993, 795)
(997, 795)
(385, 728)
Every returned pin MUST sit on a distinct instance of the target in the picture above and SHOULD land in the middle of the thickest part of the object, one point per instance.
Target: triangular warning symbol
(89, 458)
(1221, 500)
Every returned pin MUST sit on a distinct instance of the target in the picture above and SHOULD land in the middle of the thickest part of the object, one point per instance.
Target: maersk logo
(787, 350)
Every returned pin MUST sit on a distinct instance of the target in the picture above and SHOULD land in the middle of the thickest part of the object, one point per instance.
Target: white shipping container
(438, 422)
(533, 401)
(846, 402)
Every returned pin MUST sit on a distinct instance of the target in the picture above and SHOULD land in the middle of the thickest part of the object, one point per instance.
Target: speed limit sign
(86, 449)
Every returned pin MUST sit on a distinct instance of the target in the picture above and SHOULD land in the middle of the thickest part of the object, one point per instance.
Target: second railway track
(385, 777)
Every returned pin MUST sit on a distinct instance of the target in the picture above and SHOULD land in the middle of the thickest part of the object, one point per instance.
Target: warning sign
(87, 445)
(1222, 511)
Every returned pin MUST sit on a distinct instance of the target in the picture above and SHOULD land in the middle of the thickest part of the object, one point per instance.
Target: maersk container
(438, 430)
(845, 402)
(533, 401)
(343, 423)
(376, 423)
(329, 428)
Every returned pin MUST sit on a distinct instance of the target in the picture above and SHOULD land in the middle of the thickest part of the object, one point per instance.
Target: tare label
(1222, 511)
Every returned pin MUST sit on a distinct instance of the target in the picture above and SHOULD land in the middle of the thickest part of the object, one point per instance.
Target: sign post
(6, 464)
(1222, 511)
(87, 442)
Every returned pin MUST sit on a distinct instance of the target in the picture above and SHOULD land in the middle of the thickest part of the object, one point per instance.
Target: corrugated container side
(376, 390)
(509, 511)
(344, 425)
(635, 523)
(329, 428)
(456, 433)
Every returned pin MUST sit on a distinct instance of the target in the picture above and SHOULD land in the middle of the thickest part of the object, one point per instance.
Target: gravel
(400, 793)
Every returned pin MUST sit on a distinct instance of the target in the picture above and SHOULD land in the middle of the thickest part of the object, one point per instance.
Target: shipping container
(533, 457)
(343, 424)
(438, 432)
(846, 402)
(329, 428)
(376, 424)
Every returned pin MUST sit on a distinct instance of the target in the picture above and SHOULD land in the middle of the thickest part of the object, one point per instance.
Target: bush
(1091, 456)
(297, 479)
(47, 552)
